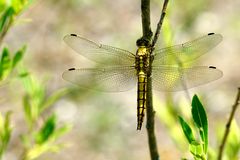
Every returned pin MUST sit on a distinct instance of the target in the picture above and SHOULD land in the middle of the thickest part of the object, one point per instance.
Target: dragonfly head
(143, 47)
(143, 42)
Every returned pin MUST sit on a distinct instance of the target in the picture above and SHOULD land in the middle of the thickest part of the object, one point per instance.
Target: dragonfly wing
(99, 53)
(110, 79)
(167, 78)
(188, 51)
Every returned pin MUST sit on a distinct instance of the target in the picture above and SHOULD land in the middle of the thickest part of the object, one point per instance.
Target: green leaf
(7, 128)
(38, 150)
(5, 132)
(5, 20)
(23, 74)
(200, 119)
(19, 5)
(47, 130)
(5, 64)
(36, 92)
(186, 130)
(2, 5)
(18, 56)
(197, 151)
(27, 109)
(53, 98)
(61, 131)
(27, 80)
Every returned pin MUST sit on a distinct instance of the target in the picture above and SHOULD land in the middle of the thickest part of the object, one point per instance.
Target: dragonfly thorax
(142, 59)
(142, 50)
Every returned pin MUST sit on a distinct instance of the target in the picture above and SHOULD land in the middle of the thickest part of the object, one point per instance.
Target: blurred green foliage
(191, 12)
(35, 101)
(39, 141)
(7, 64)
(5, 132)
(9, 10)
(232, 146)
(39, 138)
(233, 143)
(167, 113)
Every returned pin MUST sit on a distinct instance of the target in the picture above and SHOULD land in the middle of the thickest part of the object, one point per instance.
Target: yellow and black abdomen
(142, 67)
(141, 98)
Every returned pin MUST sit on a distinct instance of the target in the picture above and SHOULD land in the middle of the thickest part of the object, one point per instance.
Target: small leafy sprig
(43, 140)
(198, 147)
(8, 63)
(40, 137)
(9, 10)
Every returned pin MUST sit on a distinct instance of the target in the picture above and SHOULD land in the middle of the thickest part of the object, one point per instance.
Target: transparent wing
(98, 52)
(110, 79)
(167, 78)
(187, 51)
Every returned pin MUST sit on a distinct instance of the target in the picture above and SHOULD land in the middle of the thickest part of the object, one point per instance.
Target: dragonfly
(120, 70)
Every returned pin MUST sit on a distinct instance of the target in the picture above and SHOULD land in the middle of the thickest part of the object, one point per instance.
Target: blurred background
(104, 124)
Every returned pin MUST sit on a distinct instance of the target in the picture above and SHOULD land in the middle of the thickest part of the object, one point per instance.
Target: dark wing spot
(71, 69)
(212, 67)
(73, 35)
(210, 34)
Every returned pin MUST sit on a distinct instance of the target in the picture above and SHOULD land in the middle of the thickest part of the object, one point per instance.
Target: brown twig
(159, 25)
(151, 123)
(147, 35)
(146, 21)
(228, 125)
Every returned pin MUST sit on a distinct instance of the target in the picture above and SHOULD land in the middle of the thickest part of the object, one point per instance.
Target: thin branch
(151, 123)
(159, 25)
(150, 112)
(228, 125)
(146, 21)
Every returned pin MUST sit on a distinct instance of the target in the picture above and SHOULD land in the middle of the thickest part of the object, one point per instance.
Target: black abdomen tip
(71, 69)
(210, 34)
(73, 35)
(212, 67)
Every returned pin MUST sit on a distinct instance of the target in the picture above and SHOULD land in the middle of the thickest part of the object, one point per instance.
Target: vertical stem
(150, 122)
(146, 21)
(147, 35)
(228, 125)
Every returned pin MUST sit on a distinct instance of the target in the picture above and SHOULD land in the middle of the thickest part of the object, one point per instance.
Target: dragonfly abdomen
(141, 100)
(142, 67)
